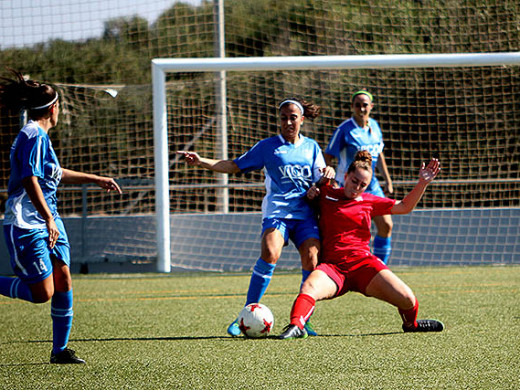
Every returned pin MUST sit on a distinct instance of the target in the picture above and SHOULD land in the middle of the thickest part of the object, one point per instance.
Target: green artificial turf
(169, 332)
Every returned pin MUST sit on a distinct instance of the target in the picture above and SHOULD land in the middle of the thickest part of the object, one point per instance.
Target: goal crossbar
(161, 66)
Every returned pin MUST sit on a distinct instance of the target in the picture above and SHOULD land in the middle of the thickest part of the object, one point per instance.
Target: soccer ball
(255, 320)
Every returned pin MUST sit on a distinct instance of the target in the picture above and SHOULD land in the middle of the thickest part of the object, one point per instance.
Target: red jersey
(345, 223)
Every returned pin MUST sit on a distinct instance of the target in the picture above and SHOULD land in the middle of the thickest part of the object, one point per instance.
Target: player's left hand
(388, 189)
(108, 184)
(327, 174)
(428, 173)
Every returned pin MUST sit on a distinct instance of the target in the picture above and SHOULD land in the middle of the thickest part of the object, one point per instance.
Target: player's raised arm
(426, 175)
(222, 166)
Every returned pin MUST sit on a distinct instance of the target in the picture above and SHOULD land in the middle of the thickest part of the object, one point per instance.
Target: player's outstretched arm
(72, 177)
(222, 166)
(426, 175)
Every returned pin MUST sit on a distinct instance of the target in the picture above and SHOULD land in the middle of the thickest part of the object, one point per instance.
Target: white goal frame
(162, 66)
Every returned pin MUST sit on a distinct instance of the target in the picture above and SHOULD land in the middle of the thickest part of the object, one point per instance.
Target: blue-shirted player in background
(291, 164)
(33, 229)
(363, 133)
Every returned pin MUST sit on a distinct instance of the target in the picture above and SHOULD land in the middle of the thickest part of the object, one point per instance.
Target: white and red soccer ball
(255, 320)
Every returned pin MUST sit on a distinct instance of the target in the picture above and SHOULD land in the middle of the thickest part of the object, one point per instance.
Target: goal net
(457, 114)
(466, 116)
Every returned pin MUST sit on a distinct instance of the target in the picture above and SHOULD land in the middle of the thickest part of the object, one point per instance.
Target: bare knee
(319, 286)
(308, 288)
(61, 276)
(270, 256)
(272, 244)
(42, 295)
(407, 301)
(309, 254)
(42, 291)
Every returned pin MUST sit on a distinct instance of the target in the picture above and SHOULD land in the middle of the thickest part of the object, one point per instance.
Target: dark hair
(310, 110)
(362, 160)
(20, 94)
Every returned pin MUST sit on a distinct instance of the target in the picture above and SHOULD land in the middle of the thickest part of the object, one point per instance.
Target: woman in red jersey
(346, 262)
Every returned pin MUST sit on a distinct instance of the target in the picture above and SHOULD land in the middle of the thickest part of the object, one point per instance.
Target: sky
(26, 22)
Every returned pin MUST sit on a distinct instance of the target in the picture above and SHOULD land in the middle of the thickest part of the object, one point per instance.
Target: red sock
(410, 316)
(302, 309)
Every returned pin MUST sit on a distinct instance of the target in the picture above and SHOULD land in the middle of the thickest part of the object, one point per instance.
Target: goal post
(163, 66)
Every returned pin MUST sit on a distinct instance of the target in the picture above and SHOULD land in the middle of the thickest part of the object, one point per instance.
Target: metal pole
(221, 109)
(379, 61)
(162, 194)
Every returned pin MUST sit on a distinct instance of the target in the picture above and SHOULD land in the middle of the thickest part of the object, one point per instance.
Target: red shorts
(354, 274)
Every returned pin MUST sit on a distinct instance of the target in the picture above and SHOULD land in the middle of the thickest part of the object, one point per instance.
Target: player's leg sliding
(426, 326)
(383, 248)
(62, 315)
(260, 279)
(308, 326)
(302, 309)
(412, 324)
(291, 332)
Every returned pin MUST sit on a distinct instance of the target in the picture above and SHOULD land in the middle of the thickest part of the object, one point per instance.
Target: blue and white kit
(290, 170)
(25, 230)
(32, 155)
(348, 139)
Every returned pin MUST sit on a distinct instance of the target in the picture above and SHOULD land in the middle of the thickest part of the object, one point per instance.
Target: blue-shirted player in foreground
(363, 133)
(34, 231)
(291, 164)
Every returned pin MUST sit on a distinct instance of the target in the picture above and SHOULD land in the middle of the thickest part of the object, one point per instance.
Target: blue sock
(262, 273)
(305, 275)
(383, 248)
(61, 313)
(15, 288)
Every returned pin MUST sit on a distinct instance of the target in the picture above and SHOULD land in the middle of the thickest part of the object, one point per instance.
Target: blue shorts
(298, 230)
(374, 188)
(30, 252)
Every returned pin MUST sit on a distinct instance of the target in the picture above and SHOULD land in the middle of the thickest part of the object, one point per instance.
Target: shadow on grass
(25, 364)
(184, 338)
(191, 338)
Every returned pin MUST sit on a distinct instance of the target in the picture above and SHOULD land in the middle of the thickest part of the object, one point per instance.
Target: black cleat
(293, 332)
(426, 326)
(67, 356)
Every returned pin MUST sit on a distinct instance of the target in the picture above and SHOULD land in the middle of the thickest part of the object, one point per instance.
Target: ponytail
(19, 94)
(362, 160)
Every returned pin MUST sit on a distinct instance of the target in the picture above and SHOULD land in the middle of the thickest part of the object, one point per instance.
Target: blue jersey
(348, 139)
(31, 155)
(290, 169)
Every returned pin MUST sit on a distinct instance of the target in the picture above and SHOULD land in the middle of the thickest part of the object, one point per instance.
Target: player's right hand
(191, 158)
(54, 233)
(313, 192)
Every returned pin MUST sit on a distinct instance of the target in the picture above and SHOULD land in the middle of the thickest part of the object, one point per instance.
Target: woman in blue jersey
(33, 229)
(363, 133)
(291, 164)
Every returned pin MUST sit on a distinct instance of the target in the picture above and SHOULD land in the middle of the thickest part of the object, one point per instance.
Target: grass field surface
(153, 331)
